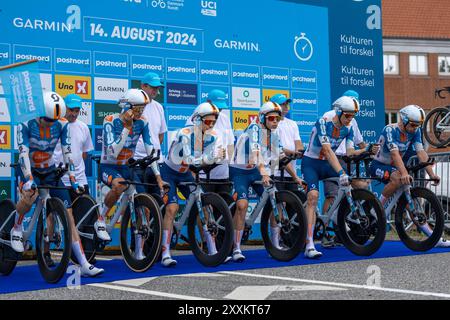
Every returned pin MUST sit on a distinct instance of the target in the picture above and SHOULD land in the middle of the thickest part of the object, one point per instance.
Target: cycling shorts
(314, 170)
(173, 178)
(109, 172)
(382, 171)
(243, 179)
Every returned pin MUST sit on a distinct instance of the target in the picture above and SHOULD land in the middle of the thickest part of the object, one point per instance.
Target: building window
(444, 65)
(391, 117)
(390, 63)
(418, 64)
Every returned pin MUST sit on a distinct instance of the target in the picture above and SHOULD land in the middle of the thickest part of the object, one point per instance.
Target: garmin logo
(237, 45)
(73, 22)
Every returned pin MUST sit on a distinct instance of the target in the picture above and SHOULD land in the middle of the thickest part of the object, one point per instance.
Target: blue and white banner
(23, 92)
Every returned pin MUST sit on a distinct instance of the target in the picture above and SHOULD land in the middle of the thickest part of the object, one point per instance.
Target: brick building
(416, 45)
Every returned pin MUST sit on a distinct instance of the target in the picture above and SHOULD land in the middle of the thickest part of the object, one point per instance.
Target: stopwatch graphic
(303, 47)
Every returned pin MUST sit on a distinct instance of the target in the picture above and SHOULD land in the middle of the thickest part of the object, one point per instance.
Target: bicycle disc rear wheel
(57, 244)
(215, 233)
(80, 207)
(148, 235)
(423, 233)
(363, 231)
(8, 257)
(293, 226)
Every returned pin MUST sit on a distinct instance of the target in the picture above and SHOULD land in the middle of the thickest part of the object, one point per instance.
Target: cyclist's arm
(115, 142)
(290, 169)
(23, 136)
(398, 162)
(423, 157)
(331, 157)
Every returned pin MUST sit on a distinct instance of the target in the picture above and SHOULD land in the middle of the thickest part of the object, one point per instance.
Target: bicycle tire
(220, 210)
(54, 206)
(431, 241)
(293, 237)
(430, 128)
(356, 239)
(7, 263)
(152, 245)
(80, 206)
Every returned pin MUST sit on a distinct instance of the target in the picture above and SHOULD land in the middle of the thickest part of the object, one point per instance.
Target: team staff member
(154, 114)
(223, 129)
(81, 142)
(289, 136)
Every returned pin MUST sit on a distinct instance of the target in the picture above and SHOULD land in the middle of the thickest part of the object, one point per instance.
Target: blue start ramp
(28, 278)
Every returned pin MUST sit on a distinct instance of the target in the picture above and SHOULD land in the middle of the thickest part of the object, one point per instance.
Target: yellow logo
(79, 85)
(242, 119)
(269, 93)
(5, 137)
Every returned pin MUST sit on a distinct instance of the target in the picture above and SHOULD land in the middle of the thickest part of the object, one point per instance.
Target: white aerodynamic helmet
(268, 107)
(412, 113)
(133, 97)
(346, 104)
(205, 109)
(55, 107)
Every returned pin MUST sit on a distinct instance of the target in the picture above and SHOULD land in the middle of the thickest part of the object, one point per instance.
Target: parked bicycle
(139, 217)
(436, 127)
(53, 236)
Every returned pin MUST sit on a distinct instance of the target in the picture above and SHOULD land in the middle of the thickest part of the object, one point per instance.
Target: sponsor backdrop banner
(312, 50)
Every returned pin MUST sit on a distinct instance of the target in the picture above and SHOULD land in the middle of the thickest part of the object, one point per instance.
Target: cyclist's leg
(389, 176)
(112, 177)
(149, 177)
(311, 173)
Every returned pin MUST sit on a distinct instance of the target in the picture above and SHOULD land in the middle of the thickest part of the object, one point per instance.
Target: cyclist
(220, 174)
(330, 187)
(121, 133)
(257, 150)
(154, 113)
(289, 137)
(193, 145)
(81, 142)
(396, 141)
(37, 140)
(320, 162)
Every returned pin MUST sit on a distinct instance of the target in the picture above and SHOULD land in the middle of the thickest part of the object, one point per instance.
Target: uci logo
(209, 8)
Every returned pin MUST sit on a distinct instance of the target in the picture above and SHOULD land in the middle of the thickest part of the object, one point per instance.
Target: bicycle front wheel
(437, 127)
(53, 241)
(140, 242)
(211, 233)
(8, 257)
(292, 226)
(420, 229)
(88, 236)
(364, 230)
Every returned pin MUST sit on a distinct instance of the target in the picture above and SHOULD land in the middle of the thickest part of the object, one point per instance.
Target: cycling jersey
(325, 132)
(184, 151)
(256, 139)
(392, 138)
(119, 143)
(37, 144)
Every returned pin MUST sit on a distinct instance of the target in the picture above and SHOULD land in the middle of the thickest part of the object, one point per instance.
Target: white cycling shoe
(238, 256)
(442, 243)
(168, 262)
(17, 240)
(88, 270)
(100, 229)
(138, 255)
(312, 253)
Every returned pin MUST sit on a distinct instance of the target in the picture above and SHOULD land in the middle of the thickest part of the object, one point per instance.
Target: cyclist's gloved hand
(344, 179)
(29, 185)
(75, 185)
(436, 179)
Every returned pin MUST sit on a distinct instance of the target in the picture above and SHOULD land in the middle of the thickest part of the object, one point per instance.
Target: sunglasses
(209, 122)
(274, 118)
(414, 125)
(348, 115)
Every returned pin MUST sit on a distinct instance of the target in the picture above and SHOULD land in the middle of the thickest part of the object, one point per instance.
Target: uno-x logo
(252, 118)
(81, 87)
(3, 137)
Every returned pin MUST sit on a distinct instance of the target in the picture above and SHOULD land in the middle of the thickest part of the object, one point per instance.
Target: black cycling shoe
(48, 260)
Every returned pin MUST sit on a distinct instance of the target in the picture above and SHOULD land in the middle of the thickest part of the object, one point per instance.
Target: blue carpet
(28, 278)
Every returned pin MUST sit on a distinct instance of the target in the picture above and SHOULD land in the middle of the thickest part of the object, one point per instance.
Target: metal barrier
(442, 191)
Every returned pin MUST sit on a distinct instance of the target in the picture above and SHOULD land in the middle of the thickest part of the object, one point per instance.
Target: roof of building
(416, 19)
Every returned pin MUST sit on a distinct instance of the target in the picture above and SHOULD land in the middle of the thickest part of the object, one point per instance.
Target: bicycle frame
(40, 208)
(444, 124)
(194, 198)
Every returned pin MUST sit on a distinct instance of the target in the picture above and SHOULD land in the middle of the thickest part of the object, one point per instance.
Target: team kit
(215, 173)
